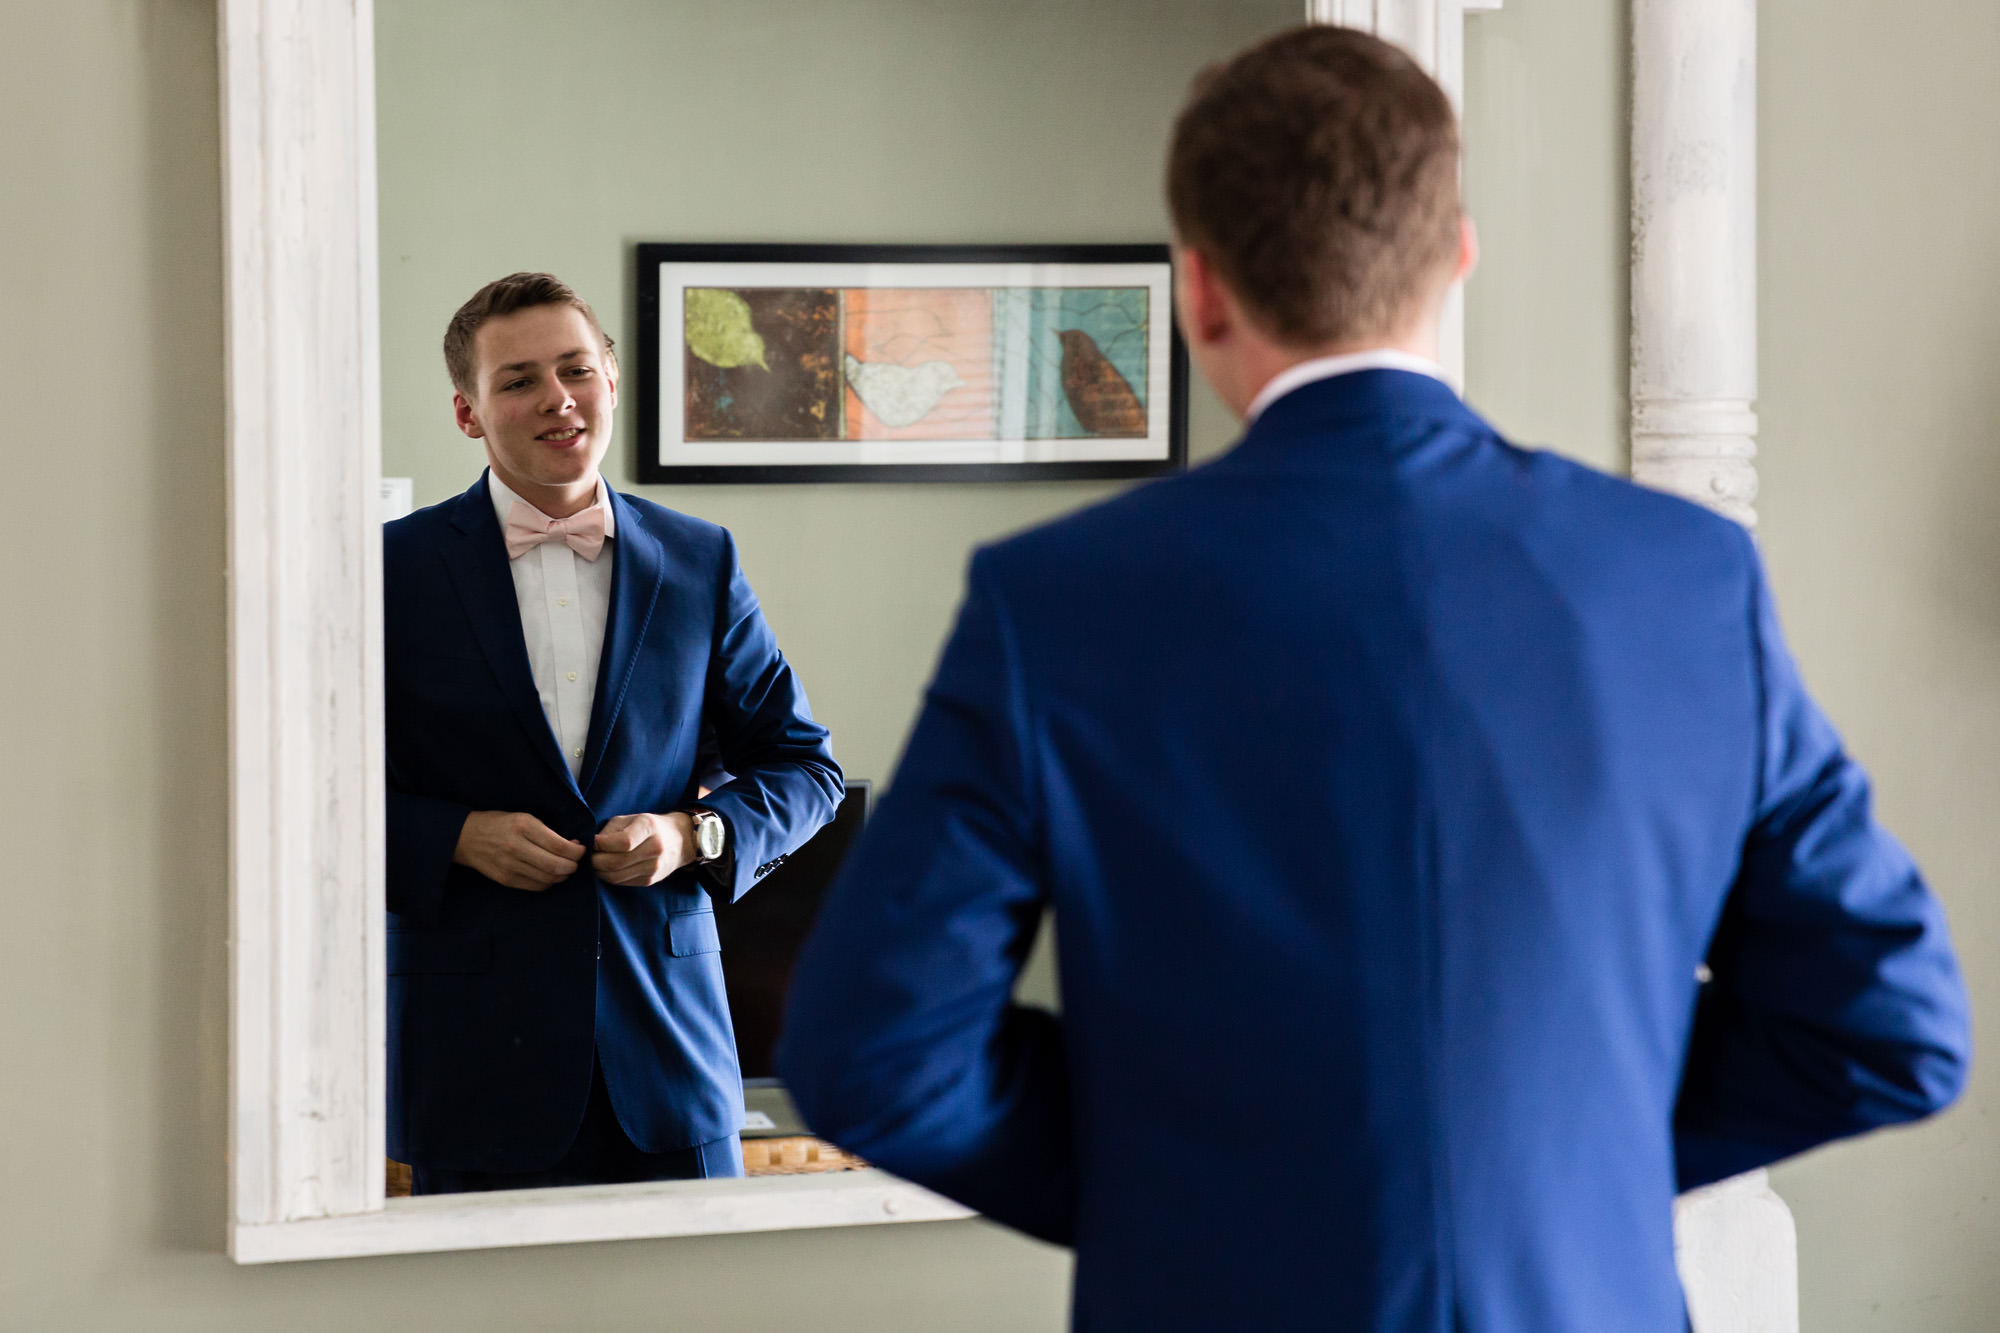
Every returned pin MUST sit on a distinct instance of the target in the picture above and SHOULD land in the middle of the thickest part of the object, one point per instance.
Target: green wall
(1881, 473)
(1880, 465)
(511, 140)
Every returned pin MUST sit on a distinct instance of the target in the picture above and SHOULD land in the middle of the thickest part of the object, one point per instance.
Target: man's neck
(1302, 373)
(1267, 362)
(554, 501)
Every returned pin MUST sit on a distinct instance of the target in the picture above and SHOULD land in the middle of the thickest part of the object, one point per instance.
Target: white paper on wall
(397, 497)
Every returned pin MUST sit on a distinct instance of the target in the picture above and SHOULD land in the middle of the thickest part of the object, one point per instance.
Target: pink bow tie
(527, 528)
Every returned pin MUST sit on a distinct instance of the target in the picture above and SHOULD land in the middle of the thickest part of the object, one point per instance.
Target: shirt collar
(1326, 367)
(504, 499)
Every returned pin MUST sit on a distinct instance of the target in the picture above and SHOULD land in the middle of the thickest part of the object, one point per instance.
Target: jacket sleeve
(423, 833)
(902, 1040)
(783, 783)
(1834, 1003)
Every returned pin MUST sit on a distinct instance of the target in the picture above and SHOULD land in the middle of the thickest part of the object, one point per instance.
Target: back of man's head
(1317, 174)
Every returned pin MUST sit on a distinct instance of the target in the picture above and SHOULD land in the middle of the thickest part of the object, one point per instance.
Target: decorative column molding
(1694, 250)
(1694, 433)
(1738, 1254)
(1434, 32)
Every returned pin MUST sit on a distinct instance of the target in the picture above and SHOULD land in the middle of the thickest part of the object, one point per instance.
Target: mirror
(508, 141)
(849, 123)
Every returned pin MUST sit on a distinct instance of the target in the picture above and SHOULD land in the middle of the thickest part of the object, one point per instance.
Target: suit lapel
(477, 560)
(636, 575)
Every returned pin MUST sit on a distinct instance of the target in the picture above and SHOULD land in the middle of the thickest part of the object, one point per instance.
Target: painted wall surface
(1880, 462)
(511, 140)
(1879, 466)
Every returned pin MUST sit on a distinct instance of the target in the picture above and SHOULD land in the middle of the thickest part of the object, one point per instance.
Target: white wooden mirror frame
(307, 1002)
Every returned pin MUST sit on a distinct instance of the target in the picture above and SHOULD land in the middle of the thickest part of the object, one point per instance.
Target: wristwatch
(709, 834)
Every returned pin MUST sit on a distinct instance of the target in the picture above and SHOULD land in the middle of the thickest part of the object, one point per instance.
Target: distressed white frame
(307, 842)
(308, 1066)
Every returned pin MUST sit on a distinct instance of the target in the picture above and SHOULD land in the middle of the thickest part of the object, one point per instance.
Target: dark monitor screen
(762, 931)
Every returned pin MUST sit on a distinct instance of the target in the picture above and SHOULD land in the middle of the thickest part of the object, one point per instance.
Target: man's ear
(611, 377)
(1468, 249)
(468, 424)
(1206, 316)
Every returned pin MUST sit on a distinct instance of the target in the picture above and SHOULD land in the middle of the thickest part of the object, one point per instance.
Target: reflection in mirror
(591, 739)
(583, 690)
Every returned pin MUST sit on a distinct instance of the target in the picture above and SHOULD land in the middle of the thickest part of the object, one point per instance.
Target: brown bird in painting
(1103, 402)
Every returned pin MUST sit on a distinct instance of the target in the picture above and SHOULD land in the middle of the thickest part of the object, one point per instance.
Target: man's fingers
(550, 866)
(620, 834)
(540, 835)
(629, 869)
(608, 864)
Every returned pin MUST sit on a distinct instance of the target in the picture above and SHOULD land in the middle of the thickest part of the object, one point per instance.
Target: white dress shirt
(1326, 367)
(565, 601)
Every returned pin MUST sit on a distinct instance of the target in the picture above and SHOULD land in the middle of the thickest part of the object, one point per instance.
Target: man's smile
(563, 436)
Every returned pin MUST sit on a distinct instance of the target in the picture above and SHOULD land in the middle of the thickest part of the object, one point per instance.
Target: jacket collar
(1293, 378)
(635, 591)
(1389, 398)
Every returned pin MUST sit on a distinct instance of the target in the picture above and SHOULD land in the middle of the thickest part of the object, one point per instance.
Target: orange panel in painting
(918, 364)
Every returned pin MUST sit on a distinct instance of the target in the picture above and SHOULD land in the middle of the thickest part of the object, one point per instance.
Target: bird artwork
(719, 330)
(1098, 395)
(901, 395)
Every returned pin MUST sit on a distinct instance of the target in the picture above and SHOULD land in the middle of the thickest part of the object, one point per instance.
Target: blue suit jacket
(497, 996)
(1390, 785)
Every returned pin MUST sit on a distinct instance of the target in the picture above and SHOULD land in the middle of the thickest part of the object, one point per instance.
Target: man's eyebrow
(575, 353)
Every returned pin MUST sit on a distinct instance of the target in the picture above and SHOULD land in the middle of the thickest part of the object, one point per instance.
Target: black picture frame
(1166, 437)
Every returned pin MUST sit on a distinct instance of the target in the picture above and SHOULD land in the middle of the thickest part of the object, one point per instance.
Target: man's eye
(516, 384)
(579, 370)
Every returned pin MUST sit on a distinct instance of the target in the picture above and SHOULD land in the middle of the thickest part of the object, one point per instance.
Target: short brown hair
(1317, 174)
(504, 296)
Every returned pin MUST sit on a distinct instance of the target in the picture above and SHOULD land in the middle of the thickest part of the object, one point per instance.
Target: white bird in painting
(901, 395)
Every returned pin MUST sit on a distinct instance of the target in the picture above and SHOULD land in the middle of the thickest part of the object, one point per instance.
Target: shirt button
(572, 675)
(577, 753)
(562, 601)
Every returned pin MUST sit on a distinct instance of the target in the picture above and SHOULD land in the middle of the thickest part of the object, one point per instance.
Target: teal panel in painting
(1029, 351)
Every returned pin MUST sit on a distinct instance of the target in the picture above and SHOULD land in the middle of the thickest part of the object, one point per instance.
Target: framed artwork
(787, 363)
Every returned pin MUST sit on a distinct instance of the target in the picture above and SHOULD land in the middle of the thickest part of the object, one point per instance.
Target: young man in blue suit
(567, 669)
(1392, 787)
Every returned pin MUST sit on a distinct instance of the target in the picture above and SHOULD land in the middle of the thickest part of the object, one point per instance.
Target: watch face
(708, 836)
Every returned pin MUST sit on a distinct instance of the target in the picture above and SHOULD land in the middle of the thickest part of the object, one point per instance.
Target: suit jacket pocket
(440, 952)
(692, 932)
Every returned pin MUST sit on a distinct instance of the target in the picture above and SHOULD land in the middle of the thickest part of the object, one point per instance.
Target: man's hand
(637, 850)
(516, 850)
